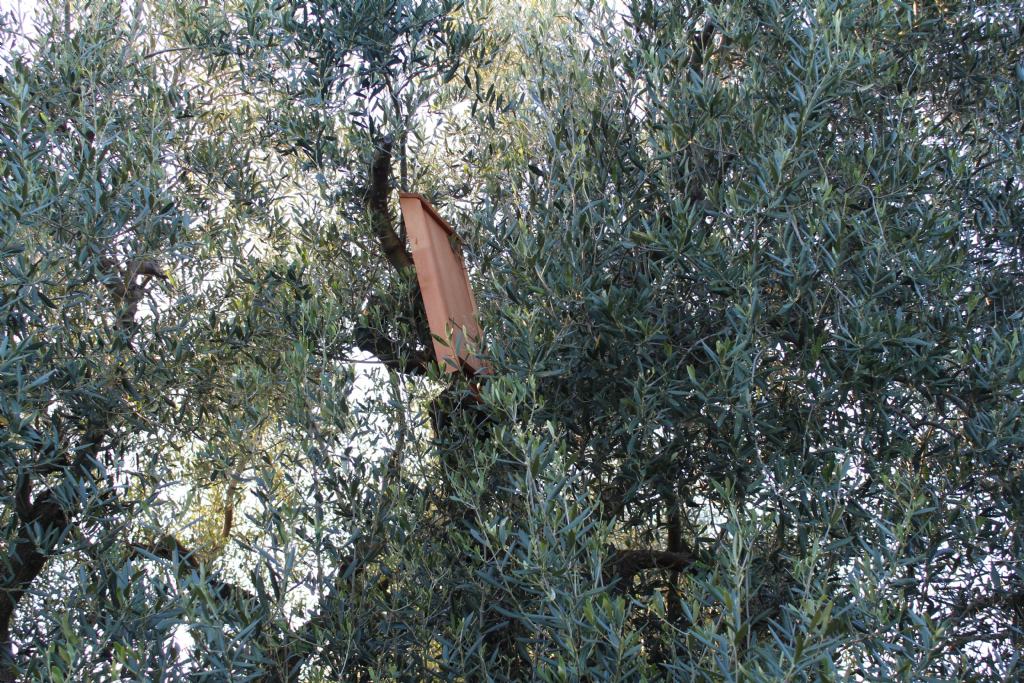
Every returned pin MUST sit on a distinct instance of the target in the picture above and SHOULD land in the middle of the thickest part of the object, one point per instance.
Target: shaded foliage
(750, 280)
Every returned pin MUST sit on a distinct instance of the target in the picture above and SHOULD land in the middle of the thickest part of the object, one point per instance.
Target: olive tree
(759, 265)
(749, 280)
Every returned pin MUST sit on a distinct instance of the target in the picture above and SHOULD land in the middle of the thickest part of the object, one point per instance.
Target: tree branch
(624, 564)
(43, 523)
(393, 355)
(699, 44)
(396, 356)
(378, 192)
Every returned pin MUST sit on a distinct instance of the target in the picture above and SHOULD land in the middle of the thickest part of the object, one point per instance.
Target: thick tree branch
(125, 292)
(45, 520)
(404, 358)
(624, 564)
(378, 192)
(43, 523)
(394, 356)
(699, 45)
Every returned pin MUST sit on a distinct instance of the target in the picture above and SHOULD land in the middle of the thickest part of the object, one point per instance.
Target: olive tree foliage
(760, 264)
(193, 263)
(149, 385)
(749, 278)
(91, 229)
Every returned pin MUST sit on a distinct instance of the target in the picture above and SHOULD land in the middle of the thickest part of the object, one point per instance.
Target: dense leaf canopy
(750, 276)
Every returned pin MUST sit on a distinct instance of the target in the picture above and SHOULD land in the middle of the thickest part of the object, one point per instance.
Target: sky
(24, 9)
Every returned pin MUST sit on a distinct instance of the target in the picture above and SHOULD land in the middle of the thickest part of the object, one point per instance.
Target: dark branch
(43, 522)
(378, 192)
(699, 45)
(623, 565)
(393, 355)
(404, 358)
